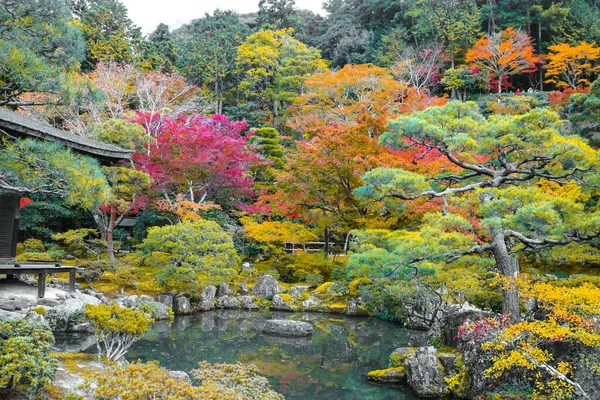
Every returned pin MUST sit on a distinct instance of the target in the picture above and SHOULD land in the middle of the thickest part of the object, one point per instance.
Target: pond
(332, 364)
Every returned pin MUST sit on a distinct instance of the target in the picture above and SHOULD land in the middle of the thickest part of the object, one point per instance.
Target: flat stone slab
(284, 327)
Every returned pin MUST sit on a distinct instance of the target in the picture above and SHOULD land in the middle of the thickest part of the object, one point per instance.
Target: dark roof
(17, 125)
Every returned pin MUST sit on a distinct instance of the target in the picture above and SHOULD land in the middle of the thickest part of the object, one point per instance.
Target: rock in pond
(425, 374)
(207, 298)
(166, 299)
(280, 303)
(284, 327)
(247, 303)
(182, 305)
(228, 302)
(388, 376)
(267, 286)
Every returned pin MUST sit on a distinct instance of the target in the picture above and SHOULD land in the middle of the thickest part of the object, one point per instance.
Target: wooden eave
(16, 125)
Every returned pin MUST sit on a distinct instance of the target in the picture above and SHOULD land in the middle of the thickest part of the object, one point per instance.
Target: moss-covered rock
(388, 376)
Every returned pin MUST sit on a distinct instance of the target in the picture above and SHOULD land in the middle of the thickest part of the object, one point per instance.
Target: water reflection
(331, 364)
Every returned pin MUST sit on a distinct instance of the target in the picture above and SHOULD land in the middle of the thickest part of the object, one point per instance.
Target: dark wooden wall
(9, 225)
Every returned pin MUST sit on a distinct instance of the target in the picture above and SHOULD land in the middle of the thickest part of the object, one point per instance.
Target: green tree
(584, 113)
(456, 23)
(275, 66)
(278, 14)
(29, 166)
(190, 254)
(208, 52)
(39, 45)
(164, 48)
(109, 34)
(125, 181)
(501, 167)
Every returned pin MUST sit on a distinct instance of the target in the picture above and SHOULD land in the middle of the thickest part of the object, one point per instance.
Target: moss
(356, 284)
(388, 375)
(77, 364)
(40, 310)
(286, 297)
(322, 288)
(398, 360)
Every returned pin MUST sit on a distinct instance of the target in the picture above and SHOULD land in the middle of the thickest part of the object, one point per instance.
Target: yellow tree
(503, 53)
(570, 66)
(275, 66)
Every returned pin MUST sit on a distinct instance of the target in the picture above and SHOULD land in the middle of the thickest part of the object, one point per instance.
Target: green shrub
(190, 255)
(117, 328)
(25, 354)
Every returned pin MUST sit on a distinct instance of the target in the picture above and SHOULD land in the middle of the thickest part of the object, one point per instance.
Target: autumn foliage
(504, 53)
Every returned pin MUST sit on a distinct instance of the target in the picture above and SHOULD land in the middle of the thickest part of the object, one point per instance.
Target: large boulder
(57, 319)
(128, 301)
(224, 290)
(266, 287)
(425, 373)
(182, 305)
(280, 303)
(455, 317)
(228, 302)
(296, 291)
(247, 303)
(207, 298)
(48, 302)
(284, 327)
(165, 299)
(311, 304)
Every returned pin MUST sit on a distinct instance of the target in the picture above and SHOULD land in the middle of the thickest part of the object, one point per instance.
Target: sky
(147, 14)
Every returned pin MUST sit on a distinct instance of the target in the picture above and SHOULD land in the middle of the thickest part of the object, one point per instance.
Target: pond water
(332, 364)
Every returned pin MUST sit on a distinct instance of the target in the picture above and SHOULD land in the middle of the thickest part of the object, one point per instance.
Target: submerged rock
(284, 327)
(266, 287)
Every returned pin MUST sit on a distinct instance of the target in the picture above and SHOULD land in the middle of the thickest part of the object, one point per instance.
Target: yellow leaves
(276, 232)
(569, 66)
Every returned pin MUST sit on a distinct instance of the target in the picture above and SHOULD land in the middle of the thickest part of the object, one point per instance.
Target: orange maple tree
(362, 96)
(503, 53)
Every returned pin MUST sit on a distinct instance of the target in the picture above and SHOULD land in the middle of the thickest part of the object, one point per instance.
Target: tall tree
(208, 52)
(503, 53)
(109, 34)
(278, 14)
(39, 46)
(503, 163)
(275, 66)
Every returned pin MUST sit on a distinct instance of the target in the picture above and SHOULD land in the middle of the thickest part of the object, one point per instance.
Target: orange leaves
(570, 66)
(504, 53)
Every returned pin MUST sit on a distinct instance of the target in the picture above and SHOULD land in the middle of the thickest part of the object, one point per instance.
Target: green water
(332, 364)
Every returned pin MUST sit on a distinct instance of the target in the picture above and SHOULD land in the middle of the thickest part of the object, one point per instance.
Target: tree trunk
(109, 237)
(509, 269)
(326, 242)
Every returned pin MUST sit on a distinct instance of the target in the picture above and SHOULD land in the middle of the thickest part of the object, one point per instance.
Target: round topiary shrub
(190, 255)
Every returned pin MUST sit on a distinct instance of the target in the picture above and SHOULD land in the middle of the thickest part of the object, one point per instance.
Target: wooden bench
(41, 269)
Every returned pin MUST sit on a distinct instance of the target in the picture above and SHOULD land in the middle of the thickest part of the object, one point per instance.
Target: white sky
(147, 14)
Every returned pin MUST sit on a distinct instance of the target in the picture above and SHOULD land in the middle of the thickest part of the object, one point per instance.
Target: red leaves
(205, 158)
(24, 202)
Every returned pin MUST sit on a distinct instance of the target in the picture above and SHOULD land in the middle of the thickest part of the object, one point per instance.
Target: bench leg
(72, 281)
(42, 284)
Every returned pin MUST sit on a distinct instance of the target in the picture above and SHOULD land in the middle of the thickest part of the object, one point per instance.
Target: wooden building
(17, 126)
